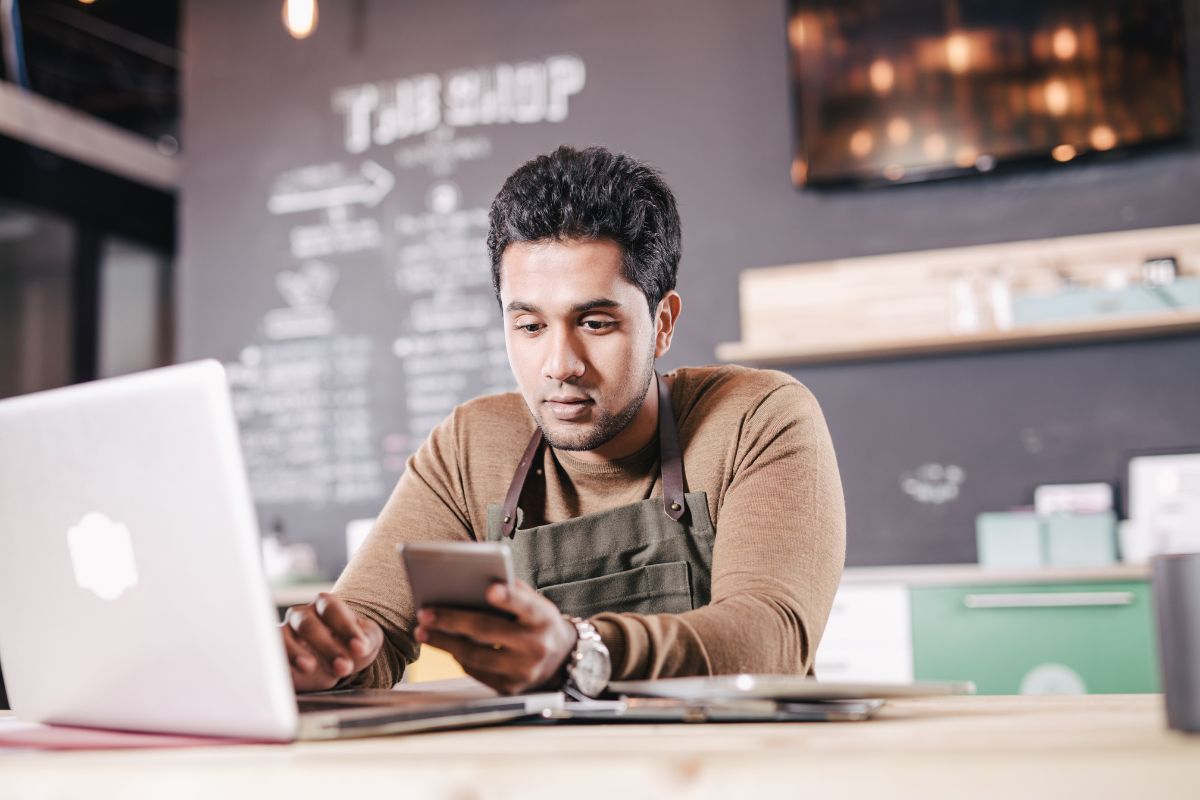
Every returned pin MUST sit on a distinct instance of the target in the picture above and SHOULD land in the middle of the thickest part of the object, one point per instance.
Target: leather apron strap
(670, 464)
(669, 455)
(532, 451)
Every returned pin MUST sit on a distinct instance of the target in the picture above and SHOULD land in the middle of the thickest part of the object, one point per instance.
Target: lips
(566, 408)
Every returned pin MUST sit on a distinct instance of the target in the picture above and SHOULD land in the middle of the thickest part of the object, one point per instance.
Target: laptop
(131, 591)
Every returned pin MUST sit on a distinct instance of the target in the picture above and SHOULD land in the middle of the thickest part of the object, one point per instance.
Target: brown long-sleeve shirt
(754, 441)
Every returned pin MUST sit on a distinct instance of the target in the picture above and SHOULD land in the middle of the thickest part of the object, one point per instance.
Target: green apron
(652, 557)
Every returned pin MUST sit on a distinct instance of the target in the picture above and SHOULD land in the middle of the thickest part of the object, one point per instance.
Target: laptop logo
(102, 556)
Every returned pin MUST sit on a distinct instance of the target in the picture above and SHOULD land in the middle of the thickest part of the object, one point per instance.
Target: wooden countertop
(1092, 746)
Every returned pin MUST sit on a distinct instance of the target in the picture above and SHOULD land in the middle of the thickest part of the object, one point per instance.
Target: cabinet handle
(1048, 600)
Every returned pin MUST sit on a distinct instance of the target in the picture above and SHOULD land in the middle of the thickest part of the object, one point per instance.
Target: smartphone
(456, 574)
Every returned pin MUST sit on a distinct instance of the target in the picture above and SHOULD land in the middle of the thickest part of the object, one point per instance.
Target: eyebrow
(580, 308)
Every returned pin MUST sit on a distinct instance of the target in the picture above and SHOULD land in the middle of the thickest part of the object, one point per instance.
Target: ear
(665, 318)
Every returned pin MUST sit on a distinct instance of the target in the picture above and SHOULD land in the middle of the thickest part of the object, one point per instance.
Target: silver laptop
(131, 592)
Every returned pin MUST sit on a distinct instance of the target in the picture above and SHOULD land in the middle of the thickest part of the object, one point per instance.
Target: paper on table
(16, 734)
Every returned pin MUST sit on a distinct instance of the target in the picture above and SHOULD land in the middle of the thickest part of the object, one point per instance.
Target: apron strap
(532, 451)
(670, 456)
(670, 459)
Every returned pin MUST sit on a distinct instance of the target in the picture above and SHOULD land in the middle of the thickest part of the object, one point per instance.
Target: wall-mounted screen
(903, 90)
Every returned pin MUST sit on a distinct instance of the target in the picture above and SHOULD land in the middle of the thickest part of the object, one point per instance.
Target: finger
(299, 656)
(479, 626)
(309, 673)
(373, 636)
(493, 680)
(503, 670)
(310, 629)
(473, 656)
(343, 623)
(522, 601)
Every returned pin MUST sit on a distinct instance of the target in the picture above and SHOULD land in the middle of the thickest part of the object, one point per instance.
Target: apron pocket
(653, 589)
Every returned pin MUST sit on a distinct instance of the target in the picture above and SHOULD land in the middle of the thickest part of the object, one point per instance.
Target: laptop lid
(131, 592)
(411, 708)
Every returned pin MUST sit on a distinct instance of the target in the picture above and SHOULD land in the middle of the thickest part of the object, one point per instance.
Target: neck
(636, 435)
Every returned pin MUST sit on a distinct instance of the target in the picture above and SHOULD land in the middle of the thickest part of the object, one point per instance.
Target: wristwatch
(588, 666)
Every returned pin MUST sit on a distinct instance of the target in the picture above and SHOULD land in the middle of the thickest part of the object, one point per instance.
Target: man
(631, 565)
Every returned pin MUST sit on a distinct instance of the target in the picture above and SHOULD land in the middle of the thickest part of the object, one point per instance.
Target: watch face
(592, 669)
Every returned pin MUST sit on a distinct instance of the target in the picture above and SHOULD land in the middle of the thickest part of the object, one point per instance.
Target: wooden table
(1093, 746)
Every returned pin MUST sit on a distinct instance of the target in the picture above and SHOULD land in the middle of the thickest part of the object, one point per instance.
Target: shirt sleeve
(777, 561)
(428, 505)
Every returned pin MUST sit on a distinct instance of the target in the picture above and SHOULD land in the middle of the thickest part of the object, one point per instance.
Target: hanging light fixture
(300, 17)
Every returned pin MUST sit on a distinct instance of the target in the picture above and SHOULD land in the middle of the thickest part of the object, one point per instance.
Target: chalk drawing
(933, 484)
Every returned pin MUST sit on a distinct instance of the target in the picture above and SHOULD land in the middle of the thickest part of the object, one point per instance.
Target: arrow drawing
(329, 186)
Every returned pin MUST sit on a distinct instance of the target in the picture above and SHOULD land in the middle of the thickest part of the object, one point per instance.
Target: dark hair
(592, 194)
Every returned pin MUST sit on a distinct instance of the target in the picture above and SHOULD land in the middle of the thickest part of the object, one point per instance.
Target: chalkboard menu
(370, 314)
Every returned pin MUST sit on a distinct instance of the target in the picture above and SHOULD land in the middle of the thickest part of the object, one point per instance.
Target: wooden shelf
(1097, 330)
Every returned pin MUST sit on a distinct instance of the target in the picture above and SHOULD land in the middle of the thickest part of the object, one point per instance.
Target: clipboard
(670, 710)
(782, 688)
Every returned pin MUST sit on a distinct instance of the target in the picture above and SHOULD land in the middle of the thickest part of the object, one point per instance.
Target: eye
(598, 324)
(529, 327)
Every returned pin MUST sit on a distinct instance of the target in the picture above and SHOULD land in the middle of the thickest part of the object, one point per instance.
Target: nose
(564, 360)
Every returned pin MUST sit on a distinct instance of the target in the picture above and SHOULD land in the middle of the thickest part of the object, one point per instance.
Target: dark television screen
(904, 90)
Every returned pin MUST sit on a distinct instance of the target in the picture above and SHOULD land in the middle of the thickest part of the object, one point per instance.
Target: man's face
(580, 339)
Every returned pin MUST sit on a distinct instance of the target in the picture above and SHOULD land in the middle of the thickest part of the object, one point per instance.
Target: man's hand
(326, 641)
(509, 655)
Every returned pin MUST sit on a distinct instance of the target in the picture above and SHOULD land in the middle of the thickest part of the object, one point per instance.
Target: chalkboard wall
(334, 208)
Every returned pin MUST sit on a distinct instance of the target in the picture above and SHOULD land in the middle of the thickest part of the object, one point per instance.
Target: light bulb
(300, 17)
(1064, 152)
(882, 75)
(1064, 43)
(958, 52)
(1103, 137)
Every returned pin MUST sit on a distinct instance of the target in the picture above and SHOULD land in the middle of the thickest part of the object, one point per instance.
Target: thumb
(522, 601)
(373, 635)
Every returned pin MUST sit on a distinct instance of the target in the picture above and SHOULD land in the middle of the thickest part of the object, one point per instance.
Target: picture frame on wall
(1162, 503)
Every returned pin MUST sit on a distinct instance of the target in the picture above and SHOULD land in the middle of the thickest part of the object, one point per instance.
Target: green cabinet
(1037, 638)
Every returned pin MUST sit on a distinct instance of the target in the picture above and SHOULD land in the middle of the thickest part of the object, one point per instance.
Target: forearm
(751, 632)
